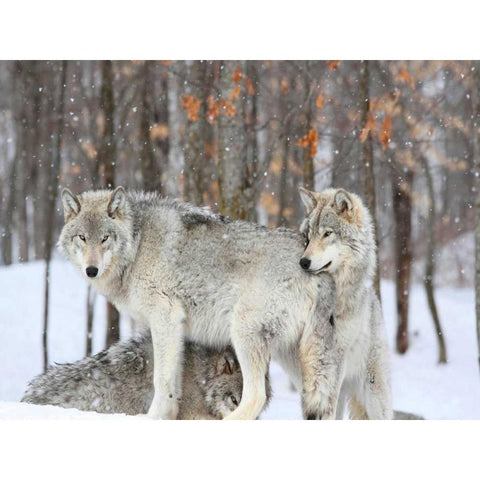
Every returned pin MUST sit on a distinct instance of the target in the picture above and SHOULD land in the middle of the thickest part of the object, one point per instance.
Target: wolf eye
(234, 400)
(105, 238)
(327, 234)
(82, 237)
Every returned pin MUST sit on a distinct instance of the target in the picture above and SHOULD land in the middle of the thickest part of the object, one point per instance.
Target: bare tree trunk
(150, 169)
(195, 132)
(402, 207)
(7, 222)
(21, 169)
(282, 194)
(368, 160)
(107, 151)
(91, 297)
(54, 172)
(232, 168)
(476, 168)
(106, 169)
(430, 264)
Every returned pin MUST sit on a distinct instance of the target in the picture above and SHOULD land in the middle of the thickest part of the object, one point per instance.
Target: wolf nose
(92, 272)
(305, 263)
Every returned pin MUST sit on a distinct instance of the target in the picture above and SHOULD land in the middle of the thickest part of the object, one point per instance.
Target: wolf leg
(342, 400)
(374, 400)
(253, 354)
(356, 409)
(168, 343)
(254, 364)
(322, 376)
(378, 397)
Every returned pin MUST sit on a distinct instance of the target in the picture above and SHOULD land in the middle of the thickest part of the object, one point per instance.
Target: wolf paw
(165, 410)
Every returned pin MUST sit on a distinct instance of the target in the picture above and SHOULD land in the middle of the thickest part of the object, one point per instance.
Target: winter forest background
(241, 137)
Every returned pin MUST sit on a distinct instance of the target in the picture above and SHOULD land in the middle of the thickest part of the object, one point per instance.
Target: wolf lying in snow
(189, 274)
(339, 232)
(120, 380)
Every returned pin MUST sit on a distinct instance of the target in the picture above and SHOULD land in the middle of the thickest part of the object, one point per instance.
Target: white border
(252, 29)
(239, 450)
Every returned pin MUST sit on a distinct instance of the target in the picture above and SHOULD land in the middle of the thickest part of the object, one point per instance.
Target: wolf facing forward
(189, 274)
(120, 380)
(340, 241)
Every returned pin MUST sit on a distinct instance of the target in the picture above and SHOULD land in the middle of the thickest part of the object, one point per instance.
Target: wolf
(119, 379)
(340, 242)
(190, 274)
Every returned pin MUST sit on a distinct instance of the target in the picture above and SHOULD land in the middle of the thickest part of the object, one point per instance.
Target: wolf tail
(119, 379)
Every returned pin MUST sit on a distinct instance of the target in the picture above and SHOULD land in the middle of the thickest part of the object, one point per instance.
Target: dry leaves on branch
(319, 102)
(385, 133)
(235, 93)
(369, 127)
(310, 140)
(192, 105)
(404, 76)
(239, 75)
(333, 65)
(159, 132)
(219, 107)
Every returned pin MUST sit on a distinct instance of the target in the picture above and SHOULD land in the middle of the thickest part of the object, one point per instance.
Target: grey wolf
(190, 274)
(120, 380)
(339, 233)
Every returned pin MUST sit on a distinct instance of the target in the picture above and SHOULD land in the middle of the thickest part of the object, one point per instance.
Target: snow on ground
(421, 386)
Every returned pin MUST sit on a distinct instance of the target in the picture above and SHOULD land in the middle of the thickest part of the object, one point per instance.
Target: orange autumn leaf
(237, 75)
(369, 126)
(319, 101)
(235, 93)
(220, 107)
(385, 133)
(192, 105)
(333, 65)
(310, 140)
(404, 76)
(159, 132)
(248, 84)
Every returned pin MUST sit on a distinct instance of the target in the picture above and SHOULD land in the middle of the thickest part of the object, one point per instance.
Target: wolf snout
(305, 263)
(91, 271)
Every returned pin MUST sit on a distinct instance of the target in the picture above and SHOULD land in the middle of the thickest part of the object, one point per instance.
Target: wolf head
(223, 384)
(338, 230)
(96, 236)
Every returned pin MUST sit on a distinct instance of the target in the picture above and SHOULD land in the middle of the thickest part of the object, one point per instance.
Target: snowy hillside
(419, 384)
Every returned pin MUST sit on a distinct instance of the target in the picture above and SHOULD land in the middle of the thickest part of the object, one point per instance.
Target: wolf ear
(343, 203)
(116, 205)
(71, 205)
(226, 364)
(308, 199)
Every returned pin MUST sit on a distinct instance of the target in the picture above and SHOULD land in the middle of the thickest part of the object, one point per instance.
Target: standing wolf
(190, 274)
(340, 240)
(120, 380)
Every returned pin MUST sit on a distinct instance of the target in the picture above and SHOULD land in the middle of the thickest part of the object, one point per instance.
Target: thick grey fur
(190, 274)
(119, 379)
